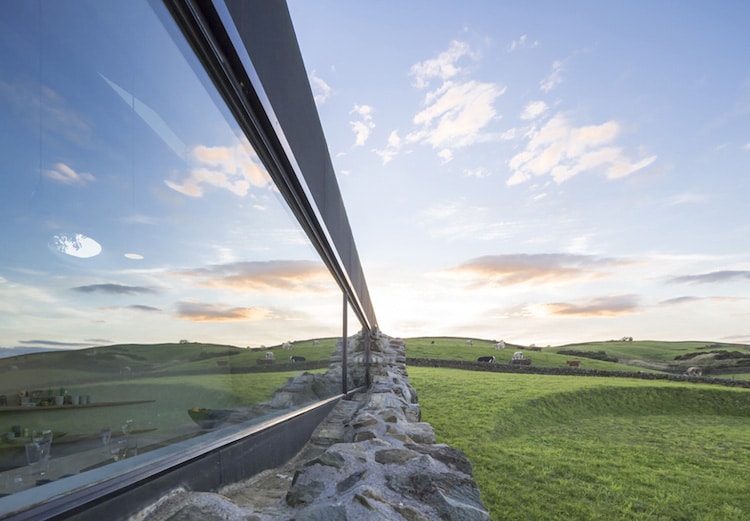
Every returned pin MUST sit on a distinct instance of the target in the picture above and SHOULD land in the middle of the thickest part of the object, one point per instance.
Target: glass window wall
(154, 287)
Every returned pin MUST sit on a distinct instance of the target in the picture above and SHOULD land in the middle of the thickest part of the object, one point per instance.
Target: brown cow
(574, 363)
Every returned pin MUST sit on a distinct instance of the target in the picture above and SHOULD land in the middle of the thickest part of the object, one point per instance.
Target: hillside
(725, 359)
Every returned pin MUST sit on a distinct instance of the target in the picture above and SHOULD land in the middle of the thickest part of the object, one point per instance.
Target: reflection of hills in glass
(73, 367)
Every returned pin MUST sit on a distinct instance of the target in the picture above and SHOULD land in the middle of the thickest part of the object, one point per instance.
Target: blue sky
(542, 172)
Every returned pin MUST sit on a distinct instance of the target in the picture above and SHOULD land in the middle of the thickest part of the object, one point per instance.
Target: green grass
(639, 355)
(559, 448)
(171, 397)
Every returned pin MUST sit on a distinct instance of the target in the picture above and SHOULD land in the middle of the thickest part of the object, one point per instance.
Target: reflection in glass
(154, 287)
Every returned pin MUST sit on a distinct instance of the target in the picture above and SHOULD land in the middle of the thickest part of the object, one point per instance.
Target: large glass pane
(154, 287)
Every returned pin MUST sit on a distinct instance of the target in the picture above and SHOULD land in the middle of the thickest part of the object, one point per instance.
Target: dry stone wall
(373, 458)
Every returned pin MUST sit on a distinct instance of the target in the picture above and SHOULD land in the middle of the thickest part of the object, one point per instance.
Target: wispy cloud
(687, 198)
(457, 111)
(62, 173)
(712, 277)
(561, 150)
(691, 300)
(205, 312)
(443, 67)
(545, 268)
(455, 114)
(459, 221)
(321, 90)
(533, 110)
(523, 42)
(611, 306)
(41, 103)
(554, 78)
(235, 168)
(265, 276)
(363, 125)
(391, 149)
(55, 343)
(142, 307)
(477, 172)
(115, 289)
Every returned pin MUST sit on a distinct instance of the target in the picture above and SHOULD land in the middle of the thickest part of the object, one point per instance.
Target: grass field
(567, 448)
(640, 355)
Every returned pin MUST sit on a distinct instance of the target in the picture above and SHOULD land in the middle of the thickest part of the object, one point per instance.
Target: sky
(542, 172)
(527, 171)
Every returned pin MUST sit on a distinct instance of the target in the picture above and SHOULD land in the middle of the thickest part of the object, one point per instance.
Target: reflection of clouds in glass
(76, 245)
(234, 168)
(205, 312)
(41, 103)
(62, 173)
(115, 289)
(266, 276)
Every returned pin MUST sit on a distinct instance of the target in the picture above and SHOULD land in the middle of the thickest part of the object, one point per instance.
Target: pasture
(639, 355)
(560, 447)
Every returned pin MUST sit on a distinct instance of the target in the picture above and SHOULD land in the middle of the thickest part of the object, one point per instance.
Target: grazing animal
(296, 359)
(574, 363)
(469, 343)
(486, 359)
(694, 371)
(269, 355)
(287, 346)
(518, 355)
(500, 345)
(316, 342)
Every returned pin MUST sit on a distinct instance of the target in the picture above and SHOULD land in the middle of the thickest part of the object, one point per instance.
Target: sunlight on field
(548, 447)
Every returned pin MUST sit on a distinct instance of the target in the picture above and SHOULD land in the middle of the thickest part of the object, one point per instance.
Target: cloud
(597, 307)
(687, 198)
(55, 343)
(265, 276)
(692, 300)
(42, 103)
(533, 110)
(392, 148)
(141, 307)
(554, 79)
(321, 90)
(62, 173)
(445, 155)
(235, 168)
(523, 42)
(544, 268)
(455, 114)
(443, 67)
(746, 147)
(712, 277)
(477, 172)
(205, 312)
(115, 289)
(362, 126)
(458, 221)
(560, 150)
